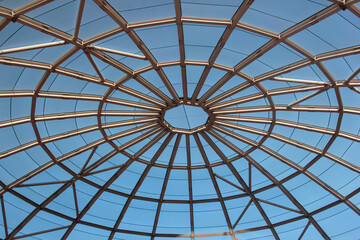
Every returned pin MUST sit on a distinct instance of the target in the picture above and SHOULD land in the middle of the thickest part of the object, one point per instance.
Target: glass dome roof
(269, 149)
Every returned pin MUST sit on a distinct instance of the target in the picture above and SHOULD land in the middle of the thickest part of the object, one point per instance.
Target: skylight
(190, 120)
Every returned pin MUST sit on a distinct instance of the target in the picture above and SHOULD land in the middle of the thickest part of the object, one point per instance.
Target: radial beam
(240, 180)
(109, 10)
(245, 5)
(141, 95)
(294, 165)
(78, 19)
(96, 196)
(113, 62)
(286, 123)
(83, 131)
(138, 184)
(92, 97)
(215, 184)
(180, 31)
(355, 10)
(227, 94)
(301, 108)
(272, 179)
(60, 116)
(163, 189)
(191, 204)
(290, 141)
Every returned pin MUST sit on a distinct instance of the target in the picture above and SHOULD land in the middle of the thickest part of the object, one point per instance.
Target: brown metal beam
(272, 179)
(82, 131)
(4, 216)
(30, 6)
(303, 232)
(215, 184)
(40, 207)
(96, 196)
(59, 116)
(166, 180)
(242, 214)
(293, 165)
(305, 108)
(180, 31)
(32, 47)
(109, 10)
(117, 52)
(138, 184)
(302, 126)
(239, 179)
(41, 232)
(245, 5)
(191, 204)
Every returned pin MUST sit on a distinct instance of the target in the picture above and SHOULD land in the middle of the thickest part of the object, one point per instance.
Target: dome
(184, 119)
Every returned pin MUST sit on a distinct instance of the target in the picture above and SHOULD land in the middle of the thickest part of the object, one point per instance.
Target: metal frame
(223, 110)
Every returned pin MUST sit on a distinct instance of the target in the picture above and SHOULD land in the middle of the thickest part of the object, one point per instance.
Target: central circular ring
(186, 118)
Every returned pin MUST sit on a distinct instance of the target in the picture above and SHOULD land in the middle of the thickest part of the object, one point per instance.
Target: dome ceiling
(179, 119)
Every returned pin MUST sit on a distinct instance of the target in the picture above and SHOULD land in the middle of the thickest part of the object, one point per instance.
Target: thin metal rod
(88, 159)
(303, 232)
(97, 70)
(242, 214)
(41, 232)
(40, 184)
(278, 205)
(352, 76)
(227, 181)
